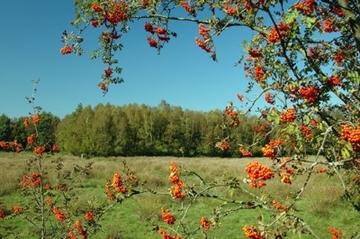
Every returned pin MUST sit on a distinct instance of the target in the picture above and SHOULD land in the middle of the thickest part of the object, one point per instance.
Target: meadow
(320, 206)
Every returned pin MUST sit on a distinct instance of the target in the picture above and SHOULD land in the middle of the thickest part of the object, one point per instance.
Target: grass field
(320, 206)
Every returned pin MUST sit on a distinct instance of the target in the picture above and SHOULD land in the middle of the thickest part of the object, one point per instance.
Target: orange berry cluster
(328, 25)
(320, 170)
(167, 217)
(35, 119)
(335, 233)
(107, 36)
(255, 53)
(49, 201)
(72, 235)
(306, 7)
(113, 13)
(257, 173)
(229, 110)
(351, 135)
(89, 216)
(318, 52)
(79, 227)
(30, 139)
(255, 69)
(81, 230)
(11, 146)
(310, 94)
(339, 56)
(259, 72)
(269, 149)
(166, 235)
(205, 223)
(232, 113)
(286, 173)
(240, 97)
(285, 177)
(206, 43)
(62, 187)
(337, 11)
(269, 98)
(288, 115)
(279, 206)
(17, 209)
(251, 232)
(117, 184)
(249, 5)
(224, 145)
(32, 180)
(245, 153)
(178, 184)
(274, 35)
(55, 148)
(48, 187)
(161, 34)
(306, 131)
(230, 10)
(66, 50)
(189, 9)
(39, 150)
(60, 215)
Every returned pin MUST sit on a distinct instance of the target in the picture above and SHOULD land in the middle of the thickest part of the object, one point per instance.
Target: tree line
(139, 130)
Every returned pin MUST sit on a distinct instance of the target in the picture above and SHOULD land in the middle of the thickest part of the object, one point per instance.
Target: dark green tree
(122, 141)
(101, 133)
(5, 128)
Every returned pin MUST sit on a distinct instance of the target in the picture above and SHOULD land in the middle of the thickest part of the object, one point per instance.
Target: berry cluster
(188, 8)
(306, 131)
(205, 44)
(205, 223)
(167, 217)
(269, 149)
(306, 7)
(178, 184)
(161, 35)
(278, 32)
(310, 93)
(269, 98)
(245, 153)
(258, 173)
(351, 135)
(251, 232)
(230, 9)
(334, 81)
(279, 206)
(288, 115)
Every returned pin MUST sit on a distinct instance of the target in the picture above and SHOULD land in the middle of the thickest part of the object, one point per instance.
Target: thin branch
(230, 23)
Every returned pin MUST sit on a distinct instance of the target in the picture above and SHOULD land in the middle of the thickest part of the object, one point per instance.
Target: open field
(321, 205)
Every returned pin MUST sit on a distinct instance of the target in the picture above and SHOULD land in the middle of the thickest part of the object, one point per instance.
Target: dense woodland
(134, 130)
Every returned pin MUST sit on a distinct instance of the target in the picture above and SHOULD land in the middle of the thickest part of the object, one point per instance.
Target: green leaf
(348, 146)
(320, 126)
(93, 55)
(311, 19)
(345, 153)
(274, 117)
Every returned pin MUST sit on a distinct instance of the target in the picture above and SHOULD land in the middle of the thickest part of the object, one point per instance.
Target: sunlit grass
(320, 206)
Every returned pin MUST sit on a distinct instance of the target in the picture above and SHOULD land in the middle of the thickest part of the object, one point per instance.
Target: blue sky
(183, 74)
